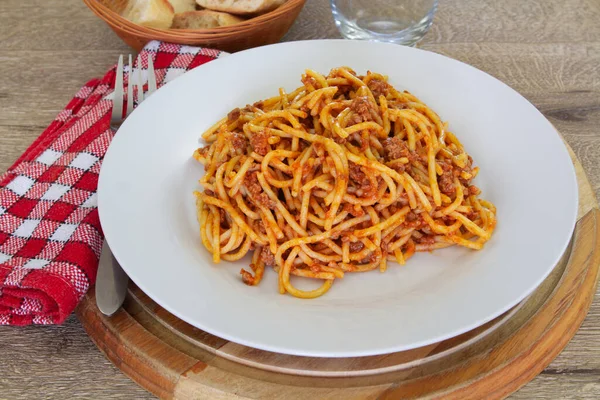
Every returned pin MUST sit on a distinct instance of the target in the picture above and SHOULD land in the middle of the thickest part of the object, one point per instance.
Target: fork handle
(111, 283)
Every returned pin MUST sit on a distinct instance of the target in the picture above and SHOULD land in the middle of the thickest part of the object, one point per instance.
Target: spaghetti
(343, 174)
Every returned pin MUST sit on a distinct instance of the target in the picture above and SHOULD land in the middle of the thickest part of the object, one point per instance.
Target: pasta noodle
(343, 174)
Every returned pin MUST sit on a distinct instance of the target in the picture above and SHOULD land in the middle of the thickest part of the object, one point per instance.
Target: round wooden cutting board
(172, 359)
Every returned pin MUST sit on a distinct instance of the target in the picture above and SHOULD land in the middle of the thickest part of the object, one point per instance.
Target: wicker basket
(261, 30)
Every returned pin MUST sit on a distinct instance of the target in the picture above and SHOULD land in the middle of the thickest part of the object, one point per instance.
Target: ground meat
(363, 225)
(472, 215)
(474, 190)
(394, 208)
(458, 171)
(454, 171)
(414, 220)
(356, 173)
(397, 148)
(446, 183)
(372, 257)
(252, 185)
(445, 165)
(302, 145)
(397, 105)
(343, 91)
(399, 168)
(355, 119)
(239, 143)
(313, 267)
(339, 140)
(448, 220)
(425, 239)
(261, 227)
(234, 115)
(367, 185)
(267, 257)
(256, 193)
(354, 211)
(260, 143)
(203, 151)
(259, 105)
(355, 247)
(378, 87)
(393, 147)
(446, 180)
(361, 106)
(308, 123)
(209, 192)
(384, 246)
(464, 182)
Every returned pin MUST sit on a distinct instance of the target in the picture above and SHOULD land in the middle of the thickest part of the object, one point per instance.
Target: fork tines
(135, 79)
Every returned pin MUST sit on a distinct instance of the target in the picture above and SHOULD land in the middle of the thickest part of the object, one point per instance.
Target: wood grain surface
(548, 50)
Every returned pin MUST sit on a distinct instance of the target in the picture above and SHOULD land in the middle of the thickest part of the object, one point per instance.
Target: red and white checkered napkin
(50, 234)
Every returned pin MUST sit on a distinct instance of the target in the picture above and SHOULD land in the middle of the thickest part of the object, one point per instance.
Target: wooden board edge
(152, 364)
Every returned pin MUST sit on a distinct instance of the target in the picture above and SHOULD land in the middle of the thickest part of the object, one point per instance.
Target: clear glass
(398, 21)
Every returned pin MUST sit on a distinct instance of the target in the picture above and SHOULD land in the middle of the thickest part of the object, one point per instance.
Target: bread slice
(241, 6)
(151, 13)
(181, 6)
(204, 19)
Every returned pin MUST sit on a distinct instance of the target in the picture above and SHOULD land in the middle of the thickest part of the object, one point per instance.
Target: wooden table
(548, 50)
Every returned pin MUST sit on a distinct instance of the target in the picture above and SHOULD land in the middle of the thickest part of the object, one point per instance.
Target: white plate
(147, 208)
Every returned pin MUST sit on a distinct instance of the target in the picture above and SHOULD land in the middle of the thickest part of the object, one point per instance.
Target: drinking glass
(398, 21)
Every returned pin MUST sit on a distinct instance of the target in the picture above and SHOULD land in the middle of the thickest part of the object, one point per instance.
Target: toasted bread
(151, 13)
(241, 6)
(181, 6)
(204, 19)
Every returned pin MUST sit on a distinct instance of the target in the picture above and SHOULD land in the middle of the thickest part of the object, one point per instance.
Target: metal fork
(111, 280)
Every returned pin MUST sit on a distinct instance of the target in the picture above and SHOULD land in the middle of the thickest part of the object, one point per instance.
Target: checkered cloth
(50, 234)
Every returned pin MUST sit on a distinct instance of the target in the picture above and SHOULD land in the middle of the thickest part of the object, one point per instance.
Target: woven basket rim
(116, 20)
